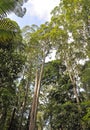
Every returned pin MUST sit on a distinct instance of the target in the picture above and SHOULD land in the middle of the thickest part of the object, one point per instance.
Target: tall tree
(68, 35)
(39, 46)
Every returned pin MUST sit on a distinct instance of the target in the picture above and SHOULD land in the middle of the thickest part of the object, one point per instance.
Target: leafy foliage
(8, 30)
(12, 6)
(11, 64)
(62, 98)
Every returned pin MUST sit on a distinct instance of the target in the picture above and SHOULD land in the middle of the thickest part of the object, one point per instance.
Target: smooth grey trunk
(74, 88)
(33, 113)
(73, 81)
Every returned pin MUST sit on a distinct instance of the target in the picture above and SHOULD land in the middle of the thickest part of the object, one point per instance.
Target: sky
(38, 12)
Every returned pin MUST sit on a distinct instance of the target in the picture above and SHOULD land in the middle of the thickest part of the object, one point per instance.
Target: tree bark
(75, 91)
(34, 105)
(12, 118)
(33, 113)
(74, 88)
(73, 81)
(24, 104)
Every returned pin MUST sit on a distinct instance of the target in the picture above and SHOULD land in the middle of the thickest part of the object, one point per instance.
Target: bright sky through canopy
(38, 12)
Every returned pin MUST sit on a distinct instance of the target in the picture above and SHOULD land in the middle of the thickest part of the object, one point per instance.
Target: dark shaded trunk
(27, 125)
(3, 118)
(12, 118)
(61, 128)
(24, 104)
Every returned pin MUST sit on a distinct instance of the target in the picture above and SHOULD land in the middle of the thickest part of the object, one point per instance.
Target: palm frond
(6, 6)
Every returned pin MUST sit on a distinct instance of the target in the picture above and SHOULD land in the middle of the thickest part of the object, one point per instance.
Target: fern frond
(8, 29)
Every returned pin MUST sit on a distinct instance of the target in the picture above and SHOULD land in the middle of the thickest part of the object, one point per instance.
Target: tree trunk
(28, 120)
(33, 109)
(73, 81)
(12, 118)
(72, 78)
(74, 88)
(3, 118)
(24, 104)
(61, 128)
(75, 91)
(33, 113)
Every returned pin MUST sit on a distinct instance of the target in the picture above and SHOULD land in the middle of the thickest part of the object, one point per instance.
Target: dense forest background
(36, 94)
